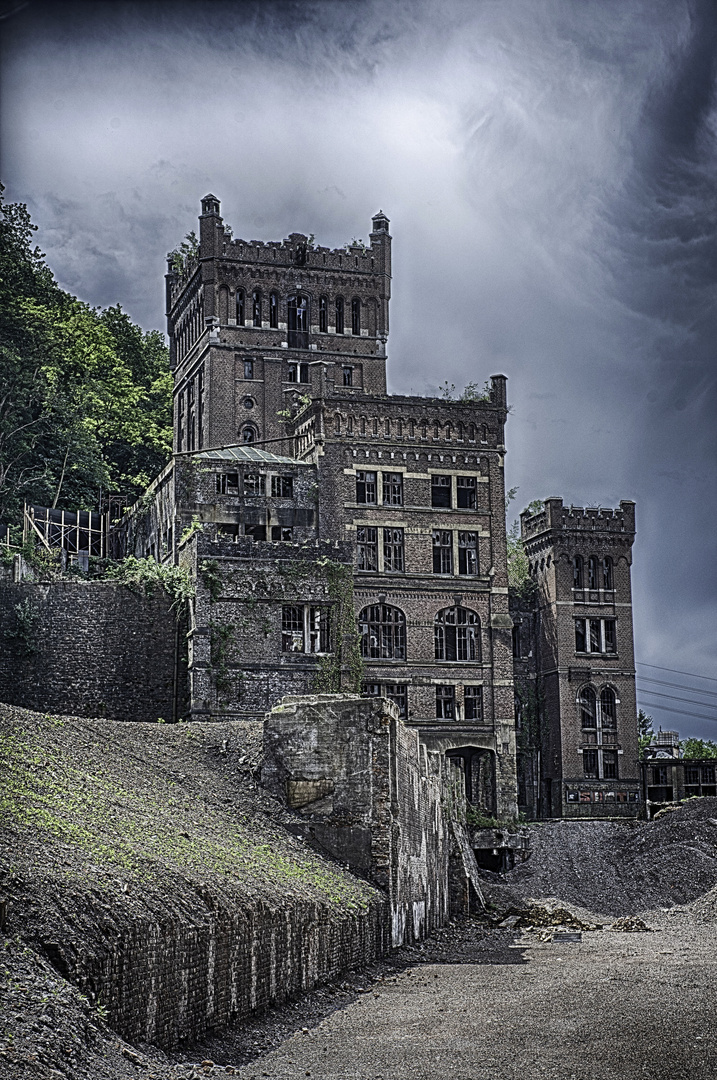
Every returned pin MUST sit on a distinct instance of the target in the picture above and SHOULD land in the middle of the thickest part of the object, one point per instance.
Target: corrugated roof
(246, 452)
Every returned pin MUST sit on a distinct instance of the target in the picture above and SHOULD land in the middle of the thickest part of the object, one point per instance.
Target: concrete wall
(371, 794)
(91, 648)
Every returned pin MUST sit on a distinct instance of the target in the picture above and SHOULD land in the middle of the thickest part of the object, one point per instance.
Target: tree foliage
(645, 732)
(699, 748)
(85, 395)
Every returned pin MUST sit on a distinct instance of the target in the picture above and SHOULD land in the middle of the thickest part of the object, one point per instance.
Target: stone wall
(91, 648)
(371, 794)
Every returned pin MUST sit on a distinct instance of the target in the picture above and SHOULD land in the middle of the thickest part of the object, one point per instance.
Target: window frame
(363, 486)
(367, 549)
(389, 640)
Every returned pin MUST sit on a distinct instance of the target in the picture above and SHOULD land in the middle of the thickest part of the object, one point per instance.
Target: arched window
(323, 315)
(339, 314)
(240, 307)
(274, 311)
(337, 424)
(256, 307)
(592, 573)
(356, 317)
(298, 312)
(608, 708)
(383, 632)
(578, 572)
(456, 632)
(248, 434)
(607, 578)
(587, 706)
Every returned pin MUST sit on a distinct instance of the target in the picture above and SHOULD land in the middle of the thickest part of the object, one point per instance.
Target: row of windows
(382, 628)
(401, 429)
(450, 550)
(299, 373)
(387, 487)
(595, 636)
(253, 310)
(593, 574)
(190, 413)
(235, 483)
(447, 707)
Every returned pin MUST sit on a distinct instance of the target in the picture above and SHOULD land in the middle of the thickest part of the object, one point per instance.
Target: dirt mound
(620, 868)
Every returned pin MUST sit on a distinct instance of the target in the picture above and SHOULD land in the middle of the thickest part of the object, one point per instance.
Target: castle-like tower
(575, 662)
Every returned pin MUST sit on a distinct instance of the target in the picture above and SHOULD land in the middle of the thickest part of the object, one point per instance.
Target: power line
(675, 671)
(678, 686)
(682, 712)
(676, 697)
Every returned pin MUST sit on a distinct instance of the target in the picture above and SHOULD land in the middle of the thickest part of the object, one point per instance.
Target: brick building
(289, 452)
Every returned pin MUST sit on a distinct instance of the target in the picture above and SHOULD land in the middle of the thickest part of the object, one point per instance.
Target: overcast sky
(549, 171)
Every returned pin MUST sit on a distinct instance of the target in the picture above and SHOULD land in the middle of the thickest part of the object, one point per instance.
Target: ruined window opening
(282, 487)
(590, 764)
(399, 429)
(411, 429)
(298, 324)
(254, 483)
(461, 431)
(473, 697)
(484, 433)
(445, 702)
(442, 551)
(274, 311)
(279, 532)
(228, 483)
(365, 487)
(200, 401)
(393, 489)
(383, 632)
(456, 632)
(348, 376)
(248, 369)
(305, 628)
(609, 626)
(467, 553)
(356, 315)
(393, 555)
(608, 707)
(339, 315)
(298, 373)
(441, 491)
(607, 577)
(466, 492)
(609, 764)
(228, 530)
(366, 548)
(256, 532)
(350, 425)
(577, 572)
(362, 425)
(248, 435)
(180, 421)
(395, 692)
(323, 315)
(588, 708)
(516, 643)
(240, 309)
(592, 573)
(256, 308)
(595, 642)
(337, 424)
(596, 635)
(471, 433)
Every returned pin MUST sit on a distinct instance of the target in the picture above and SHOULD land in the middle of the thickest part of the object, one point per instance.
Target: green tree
(699, 748)
(645, 732)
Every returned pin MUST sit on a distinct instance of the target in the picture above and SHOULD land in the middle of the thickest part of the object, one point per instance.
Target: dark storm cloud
(548, 167)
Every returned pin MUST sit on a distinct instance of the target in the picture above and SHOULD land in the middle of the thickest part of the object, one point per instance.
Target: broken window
(298, 324)
(588, 707)
(248, 369)
(240, 309)
(473, 697)
(254, 483)
(445, 702)
(323, 315)
(282, 487)
(365, 486)
(608, 707)
(659, 776)
(467, 553)
(466, 492)
(305, 629)
(442, 551)
(516, 642)
(256, 307)
(609, 764)
(595, 638)
(393, 550)
(578, 574)
(607, 578)
(248, 435)
(356, 317)
(298, 373)
(592, 573)
(279, 532)
(610, 635)
(383, 632)
(347, 375)
(456, 633)
(339, 314)
(393, 489)
(256, 532)
(398, 694)
(273, 311)
(580, 639)
(366, 548)
(180, 421)
(228, 483)
(590, 764)
(441, 491)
